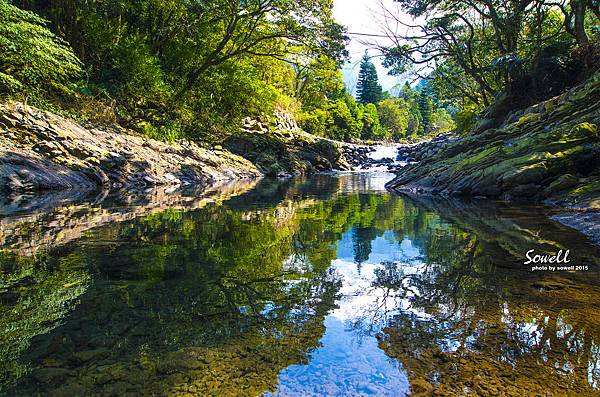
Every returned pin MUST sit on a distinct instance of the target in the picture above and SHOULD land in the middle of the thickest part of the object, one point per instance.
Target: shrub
(32, 57)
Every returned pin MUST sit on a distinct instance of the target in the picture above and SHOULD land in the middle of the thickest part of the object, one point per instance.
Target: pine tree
(426, 110)
(426, 103)
(368, 89)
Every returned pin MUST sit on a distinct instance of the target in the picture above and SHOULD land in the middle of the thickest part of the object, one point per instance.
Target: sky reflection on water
(324, 286)
(349, 361)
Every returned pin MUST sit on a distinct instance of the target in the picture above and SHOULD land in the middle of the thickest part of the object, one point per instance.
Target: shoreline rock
(550, 154)
(286, 152)
(42, 151)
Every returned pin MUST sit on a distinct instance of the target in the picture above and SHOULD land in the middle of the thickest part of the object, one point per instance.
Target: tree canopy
(475, 49)
(186, 69)
(195, 69)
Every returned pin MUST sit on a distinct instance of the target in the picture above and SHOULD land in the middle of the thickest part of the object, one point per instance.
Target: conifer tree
(426, 110)
(368, 89)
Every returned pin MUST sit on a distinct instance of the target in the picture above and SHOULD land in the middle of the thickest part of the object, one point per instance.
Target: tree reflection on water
(323, 286)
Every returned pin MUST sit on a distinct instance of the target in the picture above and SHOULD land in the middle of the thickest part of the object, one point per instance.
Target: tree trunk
(579, 8)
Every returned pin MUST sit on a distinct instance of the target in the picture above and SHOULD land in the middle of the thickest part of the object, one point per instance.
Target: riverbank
(41, 151)
(546, 153)
(549, 152)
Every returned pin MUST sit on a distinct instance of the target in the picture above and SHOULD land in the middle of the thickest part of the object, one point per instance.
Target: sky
(360, 16)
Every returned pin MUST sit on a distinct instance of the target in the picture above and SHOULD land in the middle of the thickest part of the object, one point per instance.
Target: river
(326, 286)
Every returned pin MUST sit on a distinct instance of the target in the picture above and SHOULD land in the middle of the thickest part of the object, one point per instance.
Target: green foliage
(465, 120)
(441, 121)
(394, 117)
(426, 110)
(318, 82)
(177, 69)
(315, 122)
(415, 113)
(342, 118)
(136, 73)
(342, 124)
(371, 124)
(368, 89)
(32, 57)
(218, 109)
(485, 50)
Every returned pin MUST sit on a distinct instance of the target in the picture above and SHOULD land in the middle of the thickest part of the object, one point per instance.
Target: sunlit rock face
(42, 151)
(321, 286)
(549, 151)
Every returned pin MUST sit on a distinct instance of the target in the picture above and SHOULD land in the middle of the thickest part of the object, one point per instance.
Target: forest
(194, 69)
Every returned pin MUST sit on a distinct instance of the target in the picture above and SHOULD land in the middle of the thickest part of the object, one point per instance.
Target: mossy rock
(525, 175)
(528, 118)
(585, 130)
(564, 182)
(550, 104)
(530, 148)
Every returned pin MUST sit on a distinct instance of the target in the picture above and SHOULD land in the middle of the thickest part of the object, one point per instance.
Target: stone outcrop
(283, 149)
(423, 150)
(549, 152)
(285, 121)
(288, 153)
(41, 151)
(252, 126)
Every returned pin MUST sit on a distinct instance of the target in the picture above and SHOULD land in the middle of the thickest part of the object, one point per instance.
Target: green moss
(525, 175)
(563, 182)
(551, 104)
(585, 190)
(478, 157)
(585, 130)
(528, 118)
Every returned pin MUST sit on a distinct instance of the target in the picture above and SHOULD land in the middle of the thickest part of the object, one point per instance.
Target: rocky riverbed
(42, 151)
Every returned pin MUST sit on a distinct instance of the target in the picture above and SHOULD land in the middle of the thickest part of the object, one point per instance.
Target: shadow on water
(321, 286)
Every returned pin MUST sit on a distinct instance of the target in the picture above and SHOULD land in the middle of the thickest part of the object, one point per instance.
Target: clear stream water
(326, 286)
(382, 152)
